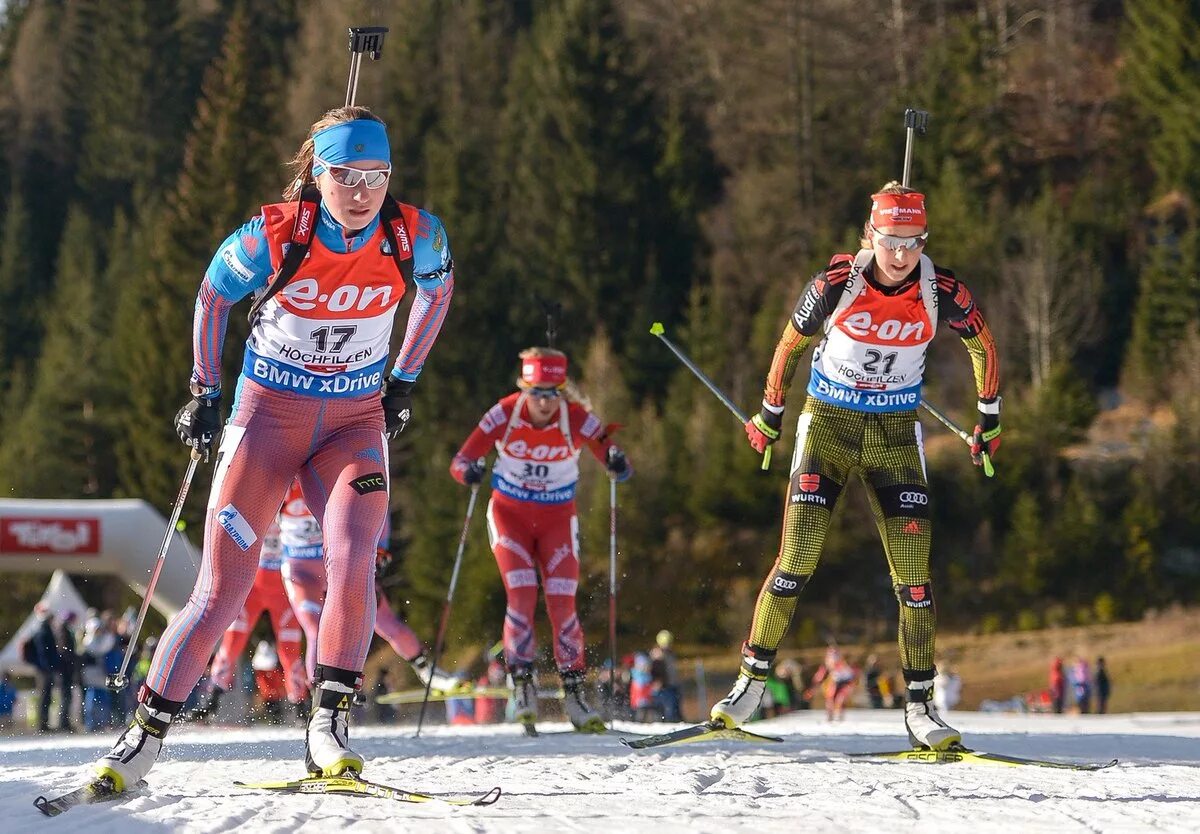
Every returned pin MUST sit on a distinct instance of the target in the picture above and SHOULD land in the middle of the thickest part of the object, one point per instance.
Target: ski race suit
(860, 415)
(304, 581)
(267, 594)
(531, 518)
(308, 405)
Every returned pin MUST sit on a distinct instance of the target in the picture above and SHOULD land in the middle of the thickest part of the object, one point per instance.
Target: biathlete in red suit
(538, 433)
(318, 399)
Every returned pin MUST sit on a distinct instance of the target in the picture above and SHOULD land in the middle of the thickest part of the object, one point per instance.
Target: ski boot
(925, 727)
(433, 677)
(326, 747)
(583, 718)
(742, 701)
(525, 699)
(138, 747)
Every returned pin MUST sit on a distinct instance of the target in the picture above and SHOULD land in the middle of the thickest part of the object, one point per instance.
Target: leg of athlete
(827, 443)
(894, 472)
(512, 543)
(248, 485)
(346, 486)
(304, 582)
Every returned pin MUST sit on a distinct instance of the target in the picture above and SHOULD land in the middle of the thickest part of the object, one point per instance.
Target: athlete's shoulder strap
(929, 293)
(396, 229)
(303, 229)
(854, 285)
(564, 421)
(512, 419)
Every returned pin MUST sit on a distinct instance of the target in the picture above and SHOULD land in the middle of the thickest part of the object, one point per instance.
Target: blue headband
(352, 141)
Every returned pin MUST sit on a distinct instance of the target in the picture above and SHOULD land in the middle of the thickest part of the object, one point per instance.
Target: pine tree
(230, 169)
(58, 445)
(1162, 55)
(134, 100)
(19, 291)
(582, 146)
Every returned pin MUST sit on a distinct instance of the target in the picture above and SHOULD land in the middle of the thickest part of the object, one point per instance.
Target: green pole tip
(657, 329)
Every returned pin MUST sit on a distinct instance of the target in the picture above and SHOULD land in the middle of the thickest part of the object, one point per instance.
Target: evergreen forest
(692, 162)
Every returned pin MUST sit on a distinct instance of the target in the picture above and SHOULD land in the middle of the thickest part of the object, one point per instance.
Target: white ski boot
(736, 708)
(327, 745)
(583, 718)
(525, 699)
(925, 727)
(138, 747)
(442, 680)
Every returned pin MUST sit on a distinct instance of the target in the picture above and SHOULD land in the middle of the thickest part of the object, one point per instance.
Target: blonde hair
(569, 389)
(892, 187)
(301, 164)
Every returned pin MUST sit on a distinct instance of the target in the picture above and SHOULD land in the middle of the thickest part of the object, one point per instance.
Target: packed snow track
(567, 782)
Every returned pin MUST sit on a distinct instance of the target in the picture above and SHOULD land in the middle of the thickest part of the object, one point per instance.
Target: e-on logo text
(306, 294)
(891, 330)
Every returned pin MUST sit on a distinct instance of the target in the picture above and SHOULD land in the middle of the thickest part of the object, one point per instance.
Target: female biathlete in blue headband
(316, 400)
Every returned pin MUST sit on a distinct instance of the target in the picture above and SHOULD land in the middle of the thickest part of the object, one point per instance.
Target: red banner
(53, 536)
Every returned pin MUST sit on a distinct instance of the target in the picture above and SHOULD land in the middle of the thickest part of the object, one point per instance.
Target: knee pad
(908, 500)
(784, 584)
(915, 596)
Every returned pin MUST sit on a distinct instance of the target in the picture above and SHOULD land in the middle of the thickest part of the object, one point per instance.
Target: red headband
(544, 371)
(898, 210)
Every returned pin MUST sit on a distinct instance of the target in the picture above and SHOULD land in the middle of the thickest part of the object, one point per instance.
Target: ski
(958, 753)
(708, 731)
(358, 786)
(415, 696)
(98, 790)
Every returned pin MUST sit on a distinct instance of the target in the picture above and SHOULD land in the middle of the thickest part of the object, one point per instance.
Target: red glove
(986, 439)
(763, 428)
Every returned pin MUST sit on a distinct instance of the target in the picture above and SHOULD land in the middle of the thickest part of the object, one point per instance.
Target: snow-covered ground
(567, 782)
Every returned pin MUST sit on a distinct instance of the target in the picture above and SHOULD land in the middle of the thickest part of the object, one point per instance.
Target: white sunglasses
(895, 242)
(351, 177)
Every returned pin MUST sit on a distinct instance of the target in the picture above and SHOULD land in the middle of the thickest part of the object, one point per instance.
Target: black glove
(198, 423)
(397, 406)
(617, 465)
(473, 472)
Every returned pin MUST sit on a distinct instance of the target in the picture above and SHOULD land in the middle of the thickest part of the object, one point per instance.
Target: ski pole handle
(658, 330)
(988, 469)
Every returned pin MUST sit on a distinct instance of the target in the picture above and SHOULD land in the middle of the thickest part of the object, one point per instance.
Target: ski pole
(658, 330)
(441, 634)
(362, 39)
(612, 600)
(119, 681)
(988, 469)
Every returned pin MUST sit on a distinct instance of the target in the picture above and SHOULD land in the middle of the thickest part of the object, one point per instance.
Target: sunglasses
(543, 393)
(351, 177)
(894, 242)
